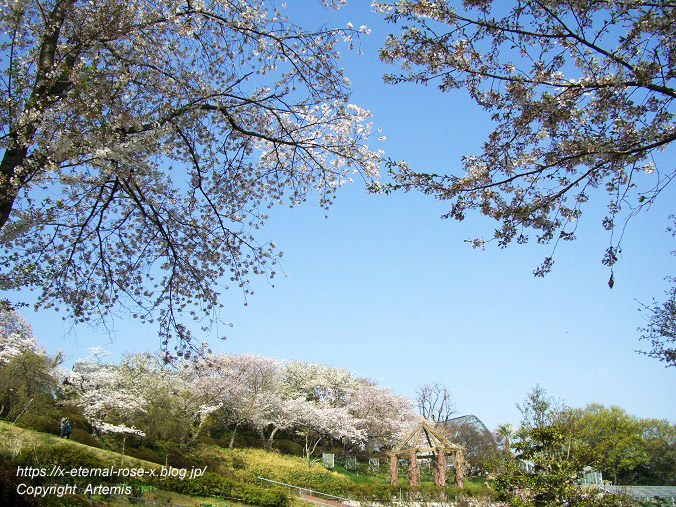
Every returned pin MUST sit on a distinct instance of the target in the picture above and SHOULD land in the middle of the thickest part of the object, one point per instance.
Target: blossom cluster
(581, 97)
(144, 142)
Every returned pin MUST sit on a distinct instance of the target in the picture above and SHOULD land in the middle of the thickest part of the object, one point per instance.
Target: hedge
(211, 484)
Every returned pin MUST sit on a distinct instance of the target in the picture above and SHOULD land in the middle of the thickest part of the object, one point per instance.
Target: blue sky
(388, 290)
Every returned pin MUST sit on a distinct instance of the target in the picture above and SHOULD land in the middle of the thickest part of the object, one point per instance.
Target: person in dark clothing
(65, 428)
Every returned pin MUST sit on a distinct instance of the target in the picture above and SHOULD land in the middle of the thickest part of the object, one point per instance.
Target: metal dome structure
(454, 425)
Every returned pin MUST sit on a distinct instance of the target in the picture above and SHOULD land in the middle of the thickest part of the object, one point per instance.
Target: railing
(307, 491)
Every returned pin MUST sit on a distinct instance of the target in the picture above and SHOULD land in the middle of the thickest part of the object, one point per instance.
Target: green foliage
(656, 502)
(286, 446)
(659, 440)
(8, 486)
(248, 464)
(552, 478)
(26, 385)
(86, 438)
(211, 484)
(64, 501)
(44, 423)
(68, 456)
(163, 420)
(626, 449)
(146, 454)
(76, 417)
(549, 459)
(613, 440)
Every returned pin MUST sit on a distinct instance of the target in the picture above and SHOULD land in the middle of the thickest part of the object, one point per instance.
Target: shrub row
(215, 485)
(210, 484)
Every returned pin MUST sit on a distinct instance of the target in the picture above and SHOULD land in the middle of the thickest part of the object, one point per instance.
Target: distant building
(591, 477)
(667, 493)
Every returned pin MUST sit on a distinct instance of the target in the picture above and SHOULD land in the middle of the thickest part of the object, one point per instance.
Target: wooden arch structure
(425, 442)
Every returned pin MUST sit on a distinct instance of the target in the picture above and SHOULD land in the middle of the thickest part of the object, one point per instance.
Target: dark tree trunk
(12, 158)
(46, 90)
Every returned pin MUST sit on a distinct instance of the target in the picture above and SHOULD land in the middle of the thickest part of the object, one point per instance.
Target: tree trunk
(232, 438)
(271, 438)
(12, 158)
(394, 470)
(45, 91)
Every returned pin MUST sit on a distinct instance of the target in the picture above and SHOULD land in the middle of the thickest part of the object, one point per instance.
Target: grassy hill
(225, 475)
(38, 460)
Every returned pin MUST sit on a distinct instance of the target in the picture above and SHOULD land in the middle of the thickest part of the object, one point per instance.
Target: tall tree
(143, 141)
(539, 409)
(16, 336)
(545, 471)
(28, 377)
(506, 432)
(581, 94)
(386, 417)
(435, 402)
(614, 440)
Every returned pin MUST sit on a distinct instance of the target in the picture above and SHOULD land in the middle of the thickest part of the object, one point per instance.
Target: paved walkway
(321, 501)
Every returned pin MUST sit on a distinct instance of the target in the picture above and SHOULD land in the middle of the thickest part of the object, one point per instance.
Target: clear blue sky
(386, 289)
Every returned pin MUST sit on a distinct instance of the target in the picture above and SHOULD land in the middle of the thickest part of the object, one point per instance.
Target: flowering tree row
(315, 403)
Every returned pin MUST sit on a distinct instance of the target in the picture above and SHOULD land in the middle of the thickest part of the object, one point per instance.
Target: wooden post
(435, 467)
(457, 466)
(394, 471)
(440, 468)
(413, 471)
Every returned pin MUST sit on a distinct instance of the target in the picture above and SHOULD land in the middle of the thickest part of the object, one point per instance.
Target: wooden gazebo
(425, 442)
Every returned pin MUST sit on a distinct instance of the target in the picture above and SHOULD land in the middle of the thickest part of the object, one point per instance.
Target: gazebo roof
(424, 438)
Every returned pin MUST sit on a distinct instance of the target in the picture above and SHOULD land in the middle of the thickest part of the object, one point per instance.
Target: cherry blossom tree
(275, 413)
(117, 429)
(241, 387)
(28, 377)
(317, 382)
(105, 392)
(144, 141)
(581, 96)
(16, 336)
(385, 417)
(315, 421)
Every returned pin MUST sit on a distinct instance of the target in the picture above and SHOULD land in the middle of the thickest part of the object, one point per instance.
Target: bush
(215, 485)
(8, 486)
(85, 438)
(178, 459)
(288, 447)
(68, 456)
(145, 454)
(77, 418)
(43, 423)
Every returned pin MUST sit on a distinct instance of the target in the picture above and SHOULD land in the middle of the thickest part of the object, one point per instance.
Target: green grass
(24, 447)
(236, 466)
(15, 441)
